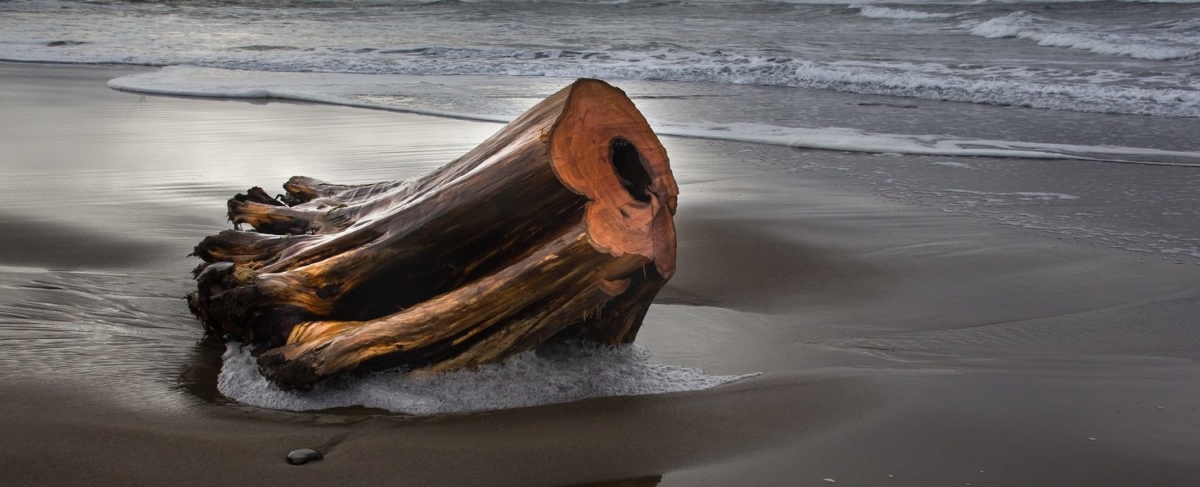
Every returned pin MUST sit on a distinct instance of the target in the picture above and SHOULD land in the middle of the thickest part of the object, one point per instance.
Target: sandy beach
(901, 338)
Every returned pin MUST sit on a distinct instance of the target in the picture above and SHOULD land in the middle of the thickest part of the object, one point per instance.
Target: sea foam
(1010, 87)
(463, 98)
(724, 42)
(854, 140)
(874, 12)
(559, 373)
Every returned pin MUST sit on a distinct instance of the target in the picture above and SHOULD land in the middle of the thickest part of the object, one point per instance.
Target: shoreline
(458, 99)
(821, 138)
(894, 339)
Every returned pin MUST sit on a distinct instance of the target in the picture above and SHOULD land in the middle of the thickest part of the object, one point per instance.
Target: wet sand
(899, 343)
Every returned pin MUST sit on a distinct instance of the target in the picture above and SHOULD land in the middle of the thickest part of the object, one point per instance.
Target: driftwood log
(558, 226)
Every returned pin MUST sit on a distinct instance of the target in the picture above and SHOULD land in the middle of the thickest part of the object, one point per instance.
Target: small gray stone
(303, 456)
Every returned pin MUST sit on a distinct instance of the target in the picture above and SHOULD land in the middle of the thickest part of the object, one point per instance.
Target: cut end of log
(604, 149)
(560, 225)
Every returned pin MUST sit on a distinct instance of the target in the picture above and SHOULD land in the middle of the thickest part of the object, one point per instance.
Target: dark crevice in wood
(630, 169)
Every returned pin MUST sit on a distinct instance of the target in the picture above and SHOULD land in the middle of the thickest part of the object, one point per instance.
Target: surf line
(825, 138)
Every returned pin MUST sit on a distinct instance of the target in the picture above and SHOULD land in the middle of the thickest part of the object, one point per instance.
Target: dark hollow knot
(630, 169)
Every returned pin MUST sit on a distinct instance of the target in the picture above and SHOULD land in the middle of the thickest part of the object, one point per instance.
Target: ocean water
(964, 83)
(1133, 58)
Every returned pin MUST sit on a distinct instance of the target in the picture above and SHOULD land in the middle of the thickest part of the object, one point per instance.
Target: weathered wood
(558, 225)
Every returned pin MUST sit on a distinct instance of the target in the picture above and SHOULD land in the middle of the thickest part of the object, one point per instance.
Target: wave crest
(1170, 42)
(874, 12)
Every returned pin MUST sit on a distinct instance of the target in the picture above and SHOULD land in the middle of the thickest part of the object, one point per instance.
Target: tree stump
(559, 225)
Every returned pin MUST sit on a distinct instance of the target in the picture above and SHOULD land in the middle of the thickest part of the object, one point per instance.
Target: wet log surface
(560, 225)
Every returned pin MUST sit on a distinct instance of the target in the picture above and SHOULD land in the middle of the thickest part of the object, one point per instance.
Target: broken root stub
(560, 225)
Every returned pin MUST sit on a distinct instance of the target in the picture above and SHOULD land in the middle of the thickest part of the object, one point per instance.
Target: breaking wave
(1177, 39)
(460, 98)
(818, 47)
(970, 84)
(897, 13)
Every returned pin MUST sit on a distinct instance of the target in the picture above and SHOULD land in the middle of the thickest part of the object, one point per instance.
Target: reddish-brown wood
(559, 225)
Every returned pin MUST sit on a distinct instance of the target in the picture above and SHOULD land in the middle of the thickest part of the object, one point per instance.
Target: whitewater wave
(557, 374)
(936, 82)
(992, 86)
(853, 140)
(874, 12)
(1170, 40)
(465, 98)
(808, 48)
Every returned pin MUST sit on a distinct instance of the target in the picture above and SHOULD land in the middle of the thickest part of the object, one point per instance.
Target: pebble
(303, 456)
